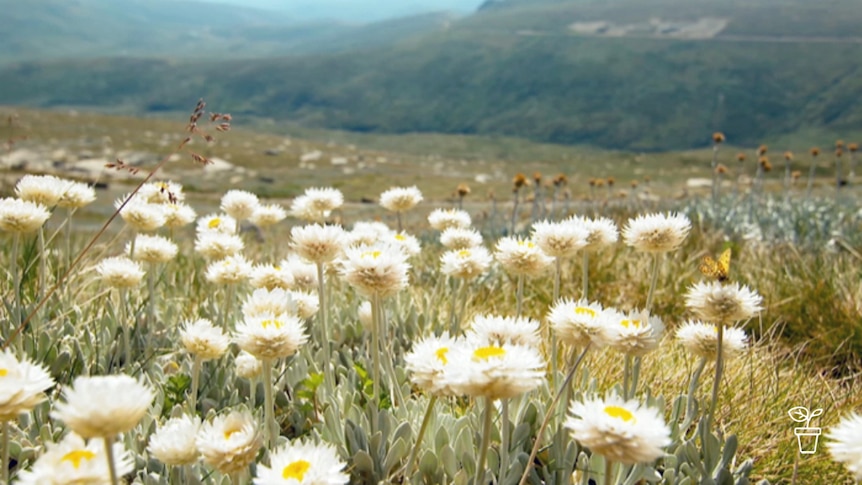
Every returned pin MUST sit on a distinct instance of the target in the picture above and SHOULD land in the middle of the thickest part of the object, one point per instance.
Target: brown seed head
(592, 182)
(561, 179)
(718, 137)
(519, 181)
(721, 169)
(788, 155)
(814, 151)
(634, 184)
(839, 144)
(762, 149)
(537, 176)
(853, 147)
(839, 152)
(740, 157)
(462, 189)
(764, 162)
(610, 181)
(600, 182)
(647, 179)
(795, 174)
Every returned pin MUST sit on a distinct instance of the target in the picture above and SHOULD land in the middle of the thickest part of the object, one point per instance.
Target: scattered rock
(311, 156)
(218, 165)
(338, 161)
(698, 183)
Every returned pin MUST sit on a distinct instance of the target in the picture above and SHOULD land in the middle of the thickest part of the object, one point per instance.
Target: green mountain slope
(516, 68)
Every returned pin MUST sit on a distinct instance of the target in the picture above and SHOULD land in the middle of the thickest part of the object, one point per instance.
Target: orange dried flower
(718, 137)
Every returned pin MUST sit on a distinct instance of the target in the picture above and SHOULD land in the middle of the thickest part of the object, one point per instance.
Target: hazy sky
(357, 10)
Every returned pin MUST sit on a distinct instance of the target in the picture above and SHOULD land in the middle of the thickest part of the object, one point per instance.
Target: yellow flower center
(400, 237)
(295, 470)
(371, 254)
(631, 323)
(4, 372)
(464, 253)
(619, 412)
(529, 244)
(581, 310)
(214, 223)
(277, 268)
(441, 354)
(486, 353)
(275, 323)
(77, 456)
(230, 432)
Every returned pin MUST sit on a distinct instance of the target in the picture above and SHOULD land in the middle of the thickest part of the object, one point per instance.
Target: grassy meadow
(800, 253)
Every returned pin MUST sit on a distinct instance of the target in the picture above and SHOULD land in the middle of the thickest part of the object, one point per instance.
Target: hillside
(641, 80)
(76, 29)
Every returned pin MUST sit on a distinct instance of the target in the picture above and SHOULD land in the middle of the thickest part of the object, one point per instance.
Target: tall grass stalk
(810, 185)
(514, 213)
(715, 178)
(552, 334)
(585, 276)
(127, 341)
(43, 265)
(151, 294)
(550, 412)
(17, 310)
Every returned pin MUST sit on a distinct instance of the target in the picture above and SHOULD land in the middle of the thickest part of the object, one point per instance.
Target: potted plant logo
(806, 436)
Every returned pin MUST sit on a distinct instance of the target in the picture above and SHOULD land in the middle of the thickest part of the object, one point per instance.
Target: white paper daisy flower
(498, 330)
(271, 336)
(120, 272)
(229, 271)
(239, 204)
(634, 333)
(366, 233)
(621, 431)
(601, 231)
(460, 238)
(494, 372)
(178, 215)
(377, 270)
(153, 249)
(701, 339)
(845, 443)
(216, 245)
(400, 199)
(656, 233)
(268, 215)
(229, 443)
(247, 365)
(466, 263)
(41, 189)
(76, 195)
(221, 223)
(442, 219)
(174, 443)
(426, 363)
(140, 215)
(74, 461)
(22, 385)
(21, 216)
(270, 277)
(406, 243)
(203, 340)
(103, 406)
(723, 304)
(317, 243)
(578, 323)
(520, 257)
(559, 239)
(162, 192)
(303, 464)
(304, 274)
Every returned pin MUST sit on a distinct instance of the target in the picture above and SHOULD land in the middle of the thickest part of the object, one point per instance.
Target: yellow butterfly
(717, 269)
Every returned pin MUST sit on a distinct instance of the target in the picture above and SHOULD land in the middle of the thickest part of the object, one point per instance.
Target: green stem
(196, 379)
(636, 373)
(16, 289)
(425, 420)
(652, 283)
(127, 347)
(324, 329)
(375, 356)
(504, 439)
(5, 464)
(151, 293)
(109, 453)
(520, 295)
(132, 244)
(810, 184)
(486, 442)
(228, 311)
(609, 466)
(715, 180)
(68, 234)
(398, 215)
(553, 336)
(627, 370)
(271, 426)
(692, 388)
(585, 276)
(43, 264)
(550, 412)
(464, 292)
(454, 300)
(719, 363)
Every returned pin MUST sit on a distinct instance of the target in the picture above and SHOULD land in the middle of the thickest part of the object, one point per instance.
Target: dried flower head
(462, 190)
(718, 137)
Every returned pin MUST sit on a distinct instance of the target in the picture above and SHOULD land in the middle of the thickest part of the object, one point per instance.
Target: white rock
(311, 156)
(698, 183)
(338, 161)
(218, 165)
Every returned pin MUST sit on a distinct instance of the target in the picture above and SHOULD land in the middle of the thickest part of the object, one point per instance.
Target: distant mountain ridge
(518, 68)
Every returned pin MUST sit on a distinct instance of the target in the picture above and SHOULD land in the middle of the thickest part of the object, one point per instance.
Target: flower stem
(269, 418)
(692, 388)
(127, 347)
(553, 336)
(504, 439)
(550, 412)
(5, 464)
(520, 295)
(151, 293)
(43, 264)
(585, 276)
(196, 379)
(464, 292)
(425, 420)
(514, 220)
(398, 215)
(609, 466)
(719, 363)
(228, 310)
(375, 356)
(109, 453)
(16, 289)
(627, 370)
(652, 283)
(810, 184)
(324, 328)
(452, 307)
(486, 442)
